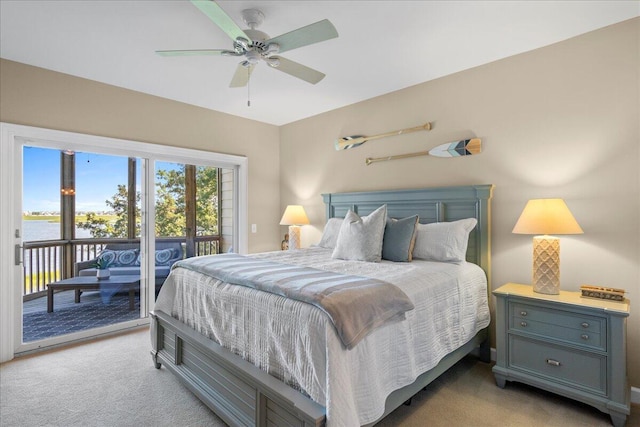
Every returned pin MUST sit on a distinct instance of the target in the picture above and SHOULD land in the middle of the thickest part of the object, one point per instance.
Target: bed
(242, 393)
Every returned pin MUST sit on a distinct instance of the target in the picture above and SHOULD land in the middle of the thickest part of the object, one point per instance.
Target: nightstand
(565, 344)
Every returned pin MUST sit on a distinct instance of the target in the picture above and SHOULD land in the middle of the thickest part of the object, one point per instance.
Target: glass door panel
(81, 223)
(194, 209)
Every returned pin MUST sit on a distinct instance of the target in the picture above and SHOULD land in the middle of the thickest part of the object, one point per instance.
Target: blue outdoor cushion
(165, 256)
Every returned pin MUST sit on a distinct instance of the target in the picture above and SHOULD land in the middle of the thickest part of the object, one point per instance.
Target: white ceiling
(383, 46)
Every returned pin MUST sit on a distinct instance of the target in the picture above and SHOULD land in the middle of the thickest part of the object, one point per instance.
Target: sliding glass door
(85, 207)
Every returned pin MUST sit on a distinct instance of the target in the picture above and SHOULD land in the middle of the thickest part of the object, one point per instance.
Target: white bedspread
(297, 343)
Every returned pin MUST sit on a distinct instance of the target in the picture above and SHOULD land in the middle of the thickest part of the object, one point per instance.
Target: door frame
(12, 138)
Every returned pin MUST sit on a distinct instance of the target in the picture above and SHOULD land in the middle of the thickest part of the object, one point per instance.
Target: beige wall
(37, 97)
(561, 121)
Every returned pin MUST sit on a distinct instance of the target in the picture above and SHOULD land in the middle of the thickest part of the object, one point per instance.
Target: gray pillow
(330, 233)
(399, 239)
(360, 239)
(443, 241)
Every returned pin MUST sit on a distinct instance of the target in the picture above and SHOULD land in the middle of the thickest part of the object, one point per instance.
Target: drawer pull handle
(523, 313)
(584, 324)
(553, 362)
(584, 336)
(523, 323)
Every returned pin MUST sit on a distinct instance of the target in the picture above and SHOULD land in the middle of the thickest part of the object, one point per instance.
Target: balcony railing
(44, 261)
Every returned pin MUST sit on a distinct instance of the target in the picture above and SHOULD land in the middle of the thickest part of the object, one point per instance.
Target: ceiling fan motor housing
(256, 49)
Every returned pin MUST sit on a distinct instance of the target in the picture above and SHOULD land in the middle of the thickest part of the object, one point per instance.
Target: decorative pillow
(164, 256)
(124, 258)
(330, 233)
(108, 257)
(360, 239)
(443, 241)
(399, 239)
(127, 257)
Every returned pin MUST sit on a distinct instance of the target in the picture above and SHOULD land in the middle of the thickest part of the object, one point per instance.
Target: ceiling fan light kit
(256, 45)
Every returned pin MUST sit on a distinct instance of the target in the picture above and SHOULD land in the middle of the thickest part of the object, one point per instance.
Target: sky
(97, 179)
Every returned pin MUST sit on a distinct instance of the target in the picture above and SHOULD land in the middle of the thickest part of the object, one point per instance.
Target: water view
(46, 230)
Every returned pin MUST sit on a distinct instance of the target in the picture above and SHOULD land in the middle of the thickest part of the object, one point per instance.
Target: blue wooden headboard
(432, 205)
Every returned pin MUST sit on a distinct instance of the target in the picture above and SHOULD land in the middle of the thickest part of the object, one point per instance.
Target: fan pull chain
(248, 87)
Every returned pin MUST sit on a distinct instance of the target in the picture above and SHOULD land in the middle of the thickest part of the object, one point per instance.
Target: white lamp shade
(547, 216)
(294, 215)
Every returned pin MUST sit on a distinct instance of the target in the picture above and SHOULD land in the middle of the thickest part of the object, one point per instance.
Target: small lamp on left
(294, 216)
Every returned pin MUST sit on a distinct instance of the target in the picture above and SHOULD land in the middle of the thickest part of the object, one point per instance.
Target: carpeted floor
(112, 382)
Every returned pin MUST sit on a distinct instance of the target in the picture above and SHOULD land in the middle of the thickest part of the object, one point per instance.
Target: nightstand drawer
(559, 364)
(576, 328)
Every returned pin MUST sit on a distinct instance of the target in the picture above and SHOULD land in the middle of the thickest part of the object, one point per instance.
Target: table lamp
(294, 216)
(544, 217)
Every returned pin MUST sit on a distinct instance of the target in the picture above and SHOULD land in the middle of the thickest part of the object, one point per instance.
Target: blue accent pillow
(124, 258)
(399, 239)
(127, 257)
(164, 256)
(108, 257)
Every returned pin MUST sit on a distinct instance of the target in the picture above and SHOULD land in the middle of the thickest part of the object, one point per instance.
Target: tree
(207, 200)
(102, 227)
(169, 204)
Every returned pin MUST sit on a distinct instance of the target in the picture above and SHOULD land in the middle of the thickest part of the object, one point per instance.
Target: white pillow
(443, 241)
(360, 239)
(330, 233)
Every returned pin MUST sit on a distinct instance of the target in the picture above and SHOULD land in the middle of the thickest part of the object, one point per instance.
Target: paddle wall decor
(357, 140)
(465, 147)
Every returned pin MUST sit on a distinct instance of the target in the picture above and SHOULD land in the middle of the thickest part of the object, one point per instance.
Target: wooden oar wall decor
(466, 147)
(357, 140)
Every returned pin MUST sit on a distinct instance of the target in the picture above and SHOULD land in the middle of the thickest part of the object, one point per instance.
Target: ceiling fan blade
(314, 33)
(220, 18)
(241, 76)
(298, 70)
(193, 52)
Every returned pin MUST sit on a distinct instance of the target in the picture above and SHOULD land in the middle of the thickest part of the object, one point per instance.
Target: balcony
(45, 262)
(192, 201)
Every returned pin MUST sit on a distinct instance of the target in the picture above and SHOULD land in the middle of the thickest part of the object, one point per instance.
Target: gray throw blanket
(356, 305)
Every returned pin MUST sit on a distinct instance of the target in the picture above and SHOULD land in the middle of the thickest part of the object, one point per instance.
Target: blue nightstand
(566, 344)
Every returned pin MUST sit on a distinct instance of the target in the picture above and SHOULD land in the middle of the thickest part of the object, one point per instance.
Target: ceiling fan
(254, 45)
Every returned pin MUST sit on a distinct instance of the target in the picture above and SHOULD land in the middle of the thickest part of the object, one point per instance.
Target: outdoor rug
(90, 313)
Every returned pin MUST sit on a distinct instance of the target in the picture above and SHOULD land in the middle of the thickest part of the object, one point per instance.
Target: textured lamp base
(546, 265)
(294, 237)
